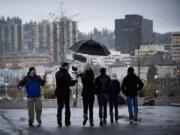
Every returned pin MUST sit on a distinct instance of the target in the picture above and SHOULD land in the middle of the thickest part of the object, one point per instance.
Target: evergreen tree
(152, 71)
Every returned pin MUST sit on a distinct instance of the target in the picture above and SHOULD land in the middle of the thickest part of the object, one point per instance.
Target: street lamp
(155, 77)
(6, 83)
(22, 66)
(156, 91)
(137, 29)
(6, 78)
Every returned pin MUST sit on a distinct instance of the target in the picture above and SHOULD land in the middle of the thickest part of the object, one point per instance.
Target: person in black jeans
(88, 93)
(102, 84)
(62, 92)
(113, 97)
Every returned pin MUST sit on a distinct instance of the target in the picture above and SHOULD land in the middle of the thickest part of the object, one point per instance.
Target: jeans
(103, 101)
(113, 103)
(132, 106)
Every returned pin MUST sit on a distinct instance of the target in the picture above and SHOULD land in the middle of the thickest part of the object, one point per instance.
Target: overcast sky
(98, 13)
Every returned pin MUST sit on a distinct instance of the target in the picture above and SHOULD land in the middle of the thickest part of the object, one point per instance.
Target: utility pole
(139, 66)
(138, 47)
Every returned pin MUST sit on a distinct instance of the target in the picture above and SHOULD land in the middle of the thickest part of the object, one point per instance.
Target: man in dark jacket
(130, 86)
(102, 83)
(62, 92)
(88, 93)
(113, 97)
(33, 83)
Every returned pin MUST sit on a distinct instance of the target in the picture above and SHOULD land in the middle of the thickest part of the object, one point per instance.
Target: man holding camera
(62, 92)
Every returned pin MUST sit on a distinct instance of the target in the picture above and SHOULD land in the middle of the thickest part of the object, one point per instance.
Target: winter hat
(31, 68)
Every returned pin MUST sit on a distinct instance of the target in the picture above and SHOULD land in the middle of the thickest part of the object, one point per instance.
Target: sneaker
(31, 124)
(85, 120)
(135, 119)
(67, 123)
(92, 124)
(39, 122)
(101, 123)
(60, 124)
(131, 121)
(105, 122)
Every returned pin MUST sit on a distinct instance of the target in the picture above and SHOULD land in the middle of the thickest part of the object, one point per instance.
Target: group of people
(105, 87)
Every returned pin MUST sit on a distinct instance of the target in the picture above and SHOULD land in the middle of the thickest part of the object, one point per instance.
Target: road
(156, 120)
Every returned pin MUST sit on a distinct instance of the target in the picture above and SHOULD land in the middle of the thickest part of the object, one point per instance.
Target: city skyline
(99, 14)
(34, 40)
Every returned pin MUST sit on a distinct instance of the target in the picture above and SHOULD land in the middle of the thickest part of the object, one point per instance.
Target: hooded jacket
(32, 85)
(131, 85)
(114, 88)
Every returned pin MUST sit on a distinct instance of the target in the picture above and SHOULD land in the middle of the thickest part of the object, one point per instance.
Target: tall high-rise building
(10, 34)
(27, 36)
(44, 35)
(132, 32)
(175, 47)
(63, 35)
(35, 37)
(52, 41)
(68, 35)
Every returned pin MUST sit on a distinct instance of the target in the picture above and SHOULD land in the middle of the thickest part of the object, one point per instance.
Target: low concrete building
(24, 59)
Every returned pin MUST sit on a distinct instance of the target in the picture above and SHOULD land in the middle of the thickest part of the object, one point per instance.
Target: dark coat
(87, 79)
(102, 84)
(63, 82)
(114, 88)
(131, 85)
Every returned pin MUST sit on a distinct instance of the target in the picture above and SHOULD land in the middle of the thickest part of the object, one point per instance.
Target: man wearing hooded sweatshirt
(130, 86)
(102, 84)
(62, 92)
(33, 83)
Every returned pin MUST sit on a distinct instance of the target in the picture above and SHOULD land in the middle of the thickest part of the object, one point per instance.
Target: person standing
(102, 84)
(130, 86)
(88, 93)
(113, 97)
(33, 83)
(62, 92)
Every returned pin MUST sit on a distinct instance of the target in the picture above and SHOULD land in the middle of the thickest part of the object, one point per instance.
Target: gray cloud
(99, 13)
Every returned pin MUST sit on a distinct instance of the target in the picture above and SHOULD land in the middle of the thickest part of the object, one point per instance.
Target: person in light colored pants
(33, 83)
(34, 105)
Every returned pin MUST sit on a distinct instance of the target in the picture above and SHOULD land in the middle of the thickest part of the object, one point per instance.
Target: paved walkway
(158, 120)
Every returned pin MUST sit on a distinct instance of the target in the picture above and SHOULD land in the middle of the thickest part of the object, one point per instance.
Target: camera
(75, 69)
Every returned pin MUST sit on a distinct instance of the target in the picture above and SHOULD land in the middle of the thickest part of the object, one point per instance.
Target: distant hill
(105, 36)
